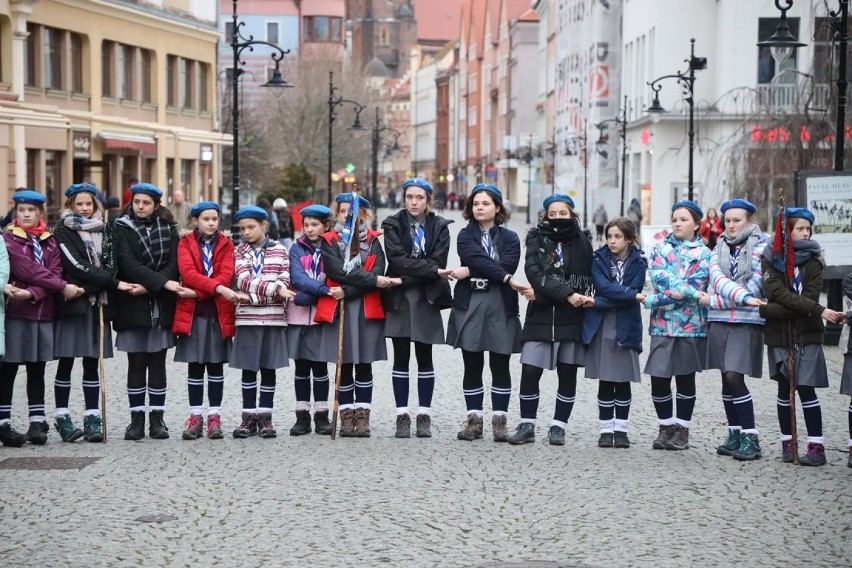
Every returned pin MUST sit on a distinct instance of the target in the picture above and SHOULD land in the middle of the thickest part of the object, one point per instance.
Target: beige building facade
(103, 91)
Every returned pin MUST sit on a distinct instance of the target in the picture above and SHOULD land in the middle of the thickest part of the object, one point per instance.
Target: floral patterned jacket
(678, 266)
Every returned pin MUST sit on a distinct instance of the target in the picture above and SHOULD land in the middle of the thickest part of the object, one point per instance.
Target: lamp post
(333, 103)
(687, 82)
(529, 160)
(621, 121)
(240, 43)
(782, 43)
(376, 141)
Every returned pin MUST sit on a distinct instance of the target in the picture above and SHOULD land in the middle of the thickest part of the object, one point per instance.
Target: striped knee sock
(529, 405)
(136, 397)
(399, 378)
(744, 411)
(425, 387)
(321, 393)
(564, 406)
(156, 398)
(215, 390)
(500, 399)
(473, 398)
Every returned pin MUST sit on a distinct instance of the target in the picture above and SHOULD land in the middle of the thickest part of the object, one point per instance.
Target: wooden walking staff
(101, 367)
(339, 367)
(791, 343)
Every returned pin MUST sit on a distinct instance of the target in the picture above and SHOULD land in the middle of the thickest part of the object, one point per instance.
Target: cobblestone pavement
(428, 502)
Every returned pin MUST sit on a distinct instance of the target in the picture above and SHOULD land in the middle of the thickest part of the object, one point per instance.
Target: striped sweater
(727, 298)
(266, 306)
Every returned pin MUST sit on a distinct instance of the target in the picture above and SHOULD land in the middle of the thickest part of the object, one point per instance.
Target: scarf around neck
(155, 245)
(34, 232)
(748, 239)
(575, 267)
(90, 230)
(349, 264)
(805, 250)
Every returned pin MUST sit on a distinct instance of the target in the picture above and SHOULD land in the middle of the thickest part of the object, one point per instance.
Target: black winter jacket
(76, 269)
(471, 254)
(423, 271)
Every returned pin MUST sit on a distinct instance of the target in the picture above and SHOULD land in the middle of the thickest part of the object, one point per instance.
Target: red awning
(144, 148)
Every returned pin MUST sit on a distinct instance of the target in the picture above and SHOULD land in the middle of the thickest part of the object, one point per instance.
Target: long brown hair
(500, 217)
(627, 228)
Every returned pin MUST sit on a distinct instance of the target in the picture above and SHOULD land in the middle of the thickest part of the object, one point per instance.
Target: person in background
(600, 219)
(634, 213)
(128, 195)
(180, 211)
(711, 228)
(286, 230)
(11, 214)
(113, 207)
(271, 218)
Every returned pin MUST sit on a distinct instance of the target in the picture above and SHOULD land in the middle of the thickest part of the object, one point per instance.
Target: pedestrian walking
(600, 219)
(612, 331)
(204, 316)
(358, 266)
(711, 228)
(77, 329)
(304, 334)
(34, 278)
(558, 267)
(846, 347)
(286, 228)
(679, 271)
(262, 269)
(417, 243)
(634, 213)
(793, 307)
(735, 333)
(146, 242)
(485, 310)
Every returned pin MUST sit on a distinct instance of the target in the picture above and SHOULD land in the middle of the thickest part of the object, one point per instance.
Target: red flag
(782, 246)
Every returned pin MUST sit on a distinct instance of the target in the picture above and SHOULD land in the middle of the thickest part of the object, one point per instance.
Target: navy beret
(800, 213)
(318, 211)
(738, 204)
(490, 188)
(147, 189)
(418, 182)
(689, 205)
(76, 188)
(347, 198)
(202, 206)
(251, 212)
(559, 197)
(29, 197)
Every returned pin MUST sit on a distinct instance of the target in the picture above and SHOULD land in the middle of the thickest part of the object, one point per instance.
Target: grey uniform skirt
(846, 377)
(79, 336)
(415, 318)
(670, 356)
(144, 340)
(363, 339)
(258, 347)
(484, 325)
(304, 341)
(735, 347)
(810, 364)
(546, 354)
(28, 341)
(609, 361)
(204, 344)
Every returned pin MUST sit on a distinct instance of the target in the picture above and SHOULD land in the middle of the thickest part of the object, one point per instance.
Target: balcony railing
(790, 98)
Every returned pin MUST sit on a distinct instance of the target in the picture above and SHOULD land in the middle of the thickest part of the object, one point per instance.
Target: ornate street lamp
(622, 125)
(334, 102)
(686, 80)
(378, 129)
(240, 43)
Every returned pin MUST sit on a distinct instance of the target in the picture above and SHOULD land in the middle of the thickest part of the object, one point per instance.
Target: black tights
(146, 369)
(402, 354)
(474, 362)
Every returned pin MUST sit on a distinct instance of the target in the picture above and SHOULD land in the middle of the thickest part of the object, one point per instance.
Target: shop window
(322, 29)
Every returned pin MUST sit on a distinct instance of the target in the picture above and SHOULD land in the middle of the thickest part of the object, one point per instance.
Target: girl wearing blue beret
(35, 279)
(735, 336)
(77, 329)
(417, 242)
(204, 316)
(558, 266)
(304, 335)
(359, 269)
(679, 271)
(793, 304)
(146, 243)
(485, 308)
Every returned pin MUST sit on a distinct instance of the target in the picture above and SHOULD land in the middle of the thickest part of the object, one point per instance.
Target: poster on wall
(828, 195)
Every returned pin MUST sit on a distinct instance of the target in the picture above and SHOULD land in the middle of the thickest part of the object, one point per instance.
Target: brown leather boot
(347, 423)
(498, 425)
(472, 428)
(362, 422)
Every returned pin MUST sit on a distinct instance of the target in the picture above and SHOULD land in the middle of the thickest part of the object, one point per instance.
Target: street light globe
(655, 117)
(451, 178)
(781, 53)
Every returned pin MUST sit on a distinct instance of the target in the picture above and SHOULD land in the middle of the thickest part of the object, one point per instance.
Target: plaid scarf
(155, 244)
(90, 230)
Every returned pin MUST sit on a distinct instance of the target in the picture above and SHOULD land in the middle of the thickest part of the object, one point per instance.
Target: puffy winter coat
(302, 309)
(44, 281)
(266, 306)
(783, 305)
(191, 268)
(79, 270)
(727, 297)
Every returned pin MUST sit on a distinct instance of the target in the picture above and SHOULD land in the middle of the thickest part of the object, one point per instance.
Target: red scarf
(34, 231)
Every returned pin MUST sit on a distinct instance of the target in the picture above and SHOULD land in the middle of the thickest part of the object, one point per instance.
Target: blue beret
(318, 211)
(738, 204)
(202, 206)
(800, 213)
(689, 205)
(492, 189)
(347, 198)
(559, 197)
(76, 188)
(147, 189)
(29, 197)
(251, 212)
(418, 182)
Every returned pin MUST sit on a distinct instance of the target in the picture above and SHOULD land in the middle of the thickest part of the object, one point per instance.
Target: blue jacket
(471, 254)
(307, 289)
(610, 296)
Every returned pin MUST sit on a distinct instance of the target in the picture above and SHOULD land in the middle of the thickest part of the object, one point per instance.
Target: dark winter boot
(248, 427)
(663, 437)
(37, 434)
(347, 423)
(815, 455)
(679, 439)
(524, 434)
(472, 428)
(362, 422)
(11, 437)
(620, 439)
(136, 430)
(321, 424)
(606, 440)
(264, 422)
(157, 428)
(66, 428)
(424, 426)
(92, 428)
(500, 428)
(556, 436)
(787, 455)
(302, 425)
(193, 428)
(403, 426)
(731, 445)
(749, 448)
